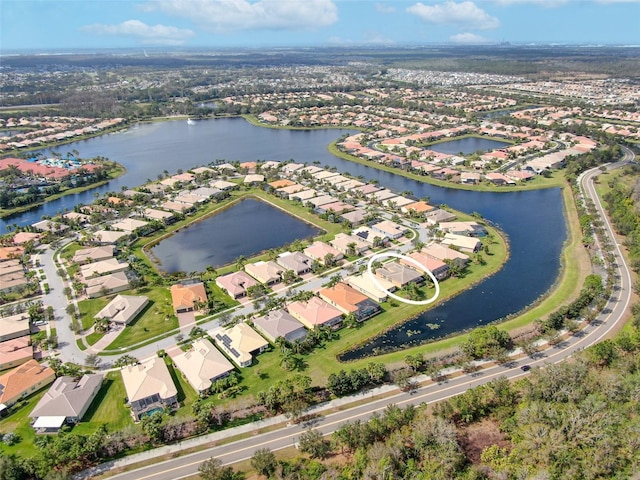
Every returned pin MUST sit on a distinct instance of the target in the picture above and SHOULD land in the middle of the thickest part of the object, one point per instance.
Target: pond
(467, 145)
(244, 229)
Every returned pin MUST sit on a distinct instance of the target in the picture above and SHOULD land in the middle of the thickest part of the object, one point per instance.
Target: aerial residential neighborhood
(289, 261)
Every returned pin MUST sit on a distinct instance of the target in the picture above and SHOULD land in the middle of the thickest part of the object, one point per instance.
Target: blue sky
(89, 24)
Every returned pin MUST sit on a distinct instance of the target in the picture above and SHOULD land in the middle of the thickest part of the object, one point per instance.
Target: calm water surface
(245, 228)
(468, 145)
(533, 220)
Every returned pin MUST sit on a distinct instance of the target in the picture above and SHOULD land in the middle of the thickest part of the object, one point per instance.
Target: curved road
(612, 316)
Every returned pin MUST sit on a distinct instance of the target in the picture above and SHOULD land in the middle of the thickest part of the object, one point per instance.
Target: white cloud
(147, 34)
(464, 14)
(467, 38)
(232, 15)
(376, 38)
(384, 8)
(539, 3)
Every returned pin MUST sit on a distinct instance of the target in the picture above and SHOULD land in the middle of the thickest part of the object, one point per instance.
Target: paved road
(613, 314)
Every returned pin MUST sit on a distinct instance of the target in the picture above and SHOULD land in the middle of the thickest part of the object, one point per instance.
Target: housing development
(143, 304)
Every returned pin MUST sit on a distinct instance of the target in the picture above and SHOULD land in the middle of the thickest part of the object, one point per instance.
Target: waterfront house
(469, 229)
(280, 323)
(399, 274)
(268, 272)
(236, 283)
(202, 365)
(355, 218)
(123, 308)
(464, 243)
(66, 402)
(24, 380)
(350, 301)
(364, 284)
(149, 387)
(419, 208)
(438, 268)
(240, 343)
(109, 236)
(319, 250)
(129, 224)
(444, 253)
(315, 313)
(296, 261)
(434, 217)
(186, 296)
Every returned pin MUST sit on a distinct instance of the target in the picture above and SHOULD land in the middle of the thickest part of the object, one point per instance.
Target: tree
(264, 462)
(313, 443)
(152, 426)
(485, 342)
(125, 360)
(212, 469)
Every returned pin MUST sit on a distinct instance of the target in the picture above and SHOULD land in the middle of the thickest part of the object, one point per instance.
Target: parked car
(525, 368)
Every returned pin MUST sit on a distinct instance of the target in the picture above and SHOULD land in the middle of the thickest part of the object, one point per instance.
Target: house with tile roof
(364, 284)
(280, 323)
(236, 283)
(315, 313)
(185, 296)
(464, 243)
(66, 402)
(318, 250)
(107, 284)
(444, 253)
(439, 269)
(202, 365)
(268, 272)
(399, 274)
(296, 261)
(15, 352)
(14, 326)
(349, 301)
(102, 267)
(342, 242)
(241, 343)
(149, 387)
(93, 254)
(24, 380)
(123, 308)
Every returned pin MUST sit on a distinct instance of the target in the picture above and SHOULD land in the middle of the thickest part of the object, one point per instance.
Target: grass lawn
(93, 338)
(18, 423)
(89, 308)
(107, 408)
(186, 394)
(156, 319)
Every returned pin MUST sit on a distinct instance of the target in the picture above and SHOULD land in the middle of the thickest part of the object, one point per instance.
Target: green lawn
(107, 408)
(18, 422)
(89, 308)
(156, 319)
(186, 394)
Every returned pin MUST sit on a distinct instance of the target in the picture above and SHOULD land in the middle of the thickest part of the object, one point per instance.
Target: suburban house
(319, 250)
(464, 243)
(102, 267)
(12, 275)
(15, 352)
(442, 252)
(107, 284)
(236, 283)
(24, 380)
(265, 272)
(434, 217)
(280, 323)
(296, 261)
(202, 365)
(389, 229)
(399, 274)
(369, 235)
(14, 326)
(241, 343)
(186, 296)
(469, 229)
(109, 236)
(364, 284)
(315, 313)
(149, 387)
(161, 215)
(94, 254)
(350, 301)
(123, 308)
(129, 224)
(342, 242)
(66, 402)
(355, 217)
(439, 269)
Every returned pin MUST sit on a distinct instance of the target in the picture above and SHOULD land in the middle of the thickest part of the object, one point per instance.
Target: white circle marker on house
(408, 259)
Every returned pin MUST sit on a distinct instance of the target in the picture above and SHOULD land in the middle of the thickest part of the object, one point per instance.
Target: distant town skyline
(70, 24)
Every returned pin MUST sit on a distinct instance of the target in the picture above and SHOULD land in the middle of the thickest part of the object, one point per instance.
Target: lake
(245, 228)
(467, 145)
(533, 220)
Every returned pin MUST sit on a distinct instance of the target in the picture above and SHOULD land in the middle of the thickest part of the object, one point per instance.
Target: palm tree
(240, 261)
